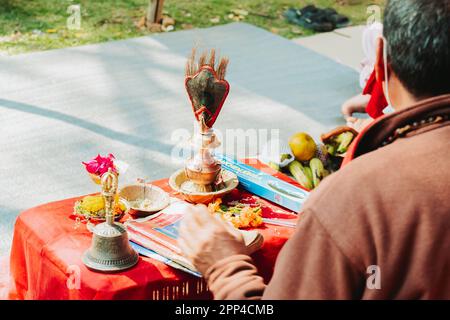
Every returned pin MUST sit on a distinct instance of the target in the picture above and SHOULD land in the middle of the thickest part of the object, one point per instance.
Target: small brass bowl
(157, 198)
(230, 182)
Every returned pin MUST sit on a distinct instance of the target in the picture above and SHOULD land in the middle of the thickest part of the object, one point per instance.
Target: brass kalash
(202, 179)
(110, 250)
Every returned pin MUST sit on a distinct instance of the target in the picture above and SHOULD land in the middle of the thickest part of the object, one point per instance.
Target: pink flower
(99, 165)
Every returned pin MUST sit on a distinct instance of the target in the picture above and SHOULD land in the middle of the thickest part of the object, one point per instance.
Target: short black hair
(417, 34)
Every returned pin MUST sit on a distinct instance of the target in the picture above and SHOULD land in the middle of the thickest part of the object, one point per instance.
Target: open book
(159, 233)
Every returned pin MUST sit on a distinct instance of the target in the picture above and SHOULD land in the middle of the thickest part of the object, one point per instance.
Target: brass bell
(110, 250)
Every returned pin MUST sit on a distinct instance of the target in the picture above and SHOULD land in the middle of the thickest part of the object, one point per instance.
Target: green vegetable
(300, 174)
(308, 172)
(274, 165)
(331, 149)
(318, 171)
(285, 156)
(344, 140)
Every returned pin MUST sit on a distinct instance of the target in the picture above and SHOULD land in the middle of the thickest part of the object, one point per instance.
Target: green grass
(32, 25)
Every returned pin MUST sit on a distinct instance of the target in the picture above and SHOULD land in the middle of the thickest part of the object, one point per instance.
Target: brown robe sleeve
(235, 278)
(310, 266)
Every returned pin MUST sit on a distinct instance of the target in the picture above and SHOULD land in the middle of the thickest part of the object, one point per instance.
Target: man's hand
(206, 238)
(359, 124)
(356, 104)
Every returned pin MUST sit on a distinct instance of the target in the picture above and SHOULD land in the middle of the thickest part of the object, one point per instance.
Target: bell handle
(109, 189)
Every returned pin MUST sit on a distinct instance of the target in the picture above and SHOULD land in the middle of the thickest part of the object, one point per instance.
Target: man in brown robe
(380, 227)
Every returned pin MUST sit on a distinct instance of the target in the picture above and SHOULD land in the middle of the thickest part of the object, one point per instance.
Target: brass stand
(203, 169)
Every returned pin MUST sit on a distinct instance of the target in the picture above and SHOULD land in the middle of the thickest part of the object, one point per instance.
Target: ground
(27, 26)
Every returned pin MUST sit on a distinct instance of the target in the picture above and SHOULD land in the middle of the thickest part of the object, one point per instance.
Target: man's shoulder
(356, 181)
(384, 192)
(417, 164)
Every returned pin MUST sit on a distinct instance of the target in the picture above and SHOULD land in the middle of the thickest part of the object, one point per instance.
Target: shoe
(309, 18)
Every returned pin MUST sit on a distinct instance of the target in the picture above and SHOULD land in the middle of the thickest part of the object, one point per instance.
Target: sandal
(319, 20)
(309, 18)
(339, 20)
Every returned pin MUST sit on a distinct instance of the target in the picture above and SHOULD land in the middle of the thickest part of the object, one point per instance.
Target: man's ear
(379, 61)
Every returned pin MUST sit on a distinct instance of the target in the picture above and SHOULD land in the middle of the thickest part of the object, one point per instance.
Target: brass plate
(230, 182)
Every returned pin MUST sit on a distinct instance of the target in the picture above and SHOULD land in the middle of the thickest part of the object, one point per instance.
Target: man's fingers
(207, 216)
(187, 241)
(203, 217)
(231, 228)
(199, 215)
(227, 226)
(220, 221)
(351, 122)
(188, 229)
(193, 219)
(185, 248)
(346, 112)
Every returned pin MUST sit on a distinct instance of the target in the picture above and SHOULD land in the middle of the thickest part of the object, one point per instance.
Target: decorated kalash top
(205, 178)
(202, 179)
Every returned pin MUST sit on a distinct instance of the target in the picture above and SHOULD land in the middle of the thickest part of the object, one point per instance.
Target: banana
(308, 172)
(274, 165)
(285, 156)
(344, 140)
(331, 149)
(318, 171)
(300, 174)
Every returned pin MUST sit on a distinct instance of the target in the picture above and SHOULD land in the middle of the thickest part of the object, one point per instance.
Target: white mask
(386, 86)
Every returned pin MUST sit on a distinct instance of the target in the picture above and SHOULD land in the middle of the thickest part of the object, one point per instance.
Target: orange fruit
(302, 146)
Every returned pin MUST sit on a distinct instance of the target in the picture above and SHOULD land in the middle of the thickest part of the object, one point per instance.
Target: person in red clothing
(371, 100)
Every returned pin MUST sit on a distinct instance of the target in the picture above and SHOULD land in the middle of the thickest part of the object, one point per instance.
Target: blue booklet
(265, 185)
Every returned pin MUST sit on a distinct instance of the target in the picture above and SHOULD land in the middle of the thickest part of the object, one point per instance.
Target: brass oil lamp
(110, 250)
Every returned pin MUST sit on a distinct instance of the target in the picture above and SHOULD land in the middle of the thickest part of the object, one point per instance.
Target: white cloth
(369, 42)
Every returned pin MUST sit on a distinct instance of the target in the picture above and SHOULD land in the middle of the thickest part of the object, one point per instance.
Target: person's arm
(236, 278)
(356, 104)
(310, 266)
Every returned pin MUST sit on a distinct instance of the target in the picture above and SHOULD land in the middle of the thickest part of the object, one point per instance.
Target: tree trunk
(154, 11)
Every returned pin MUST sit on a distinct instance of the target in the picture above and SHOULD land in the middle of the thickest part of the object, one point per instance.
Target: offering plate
(180, 183)
(144, 199)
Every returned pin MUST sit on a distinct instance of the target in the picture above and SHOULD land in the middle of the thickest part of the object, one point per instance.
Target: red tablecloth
(46, 259)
